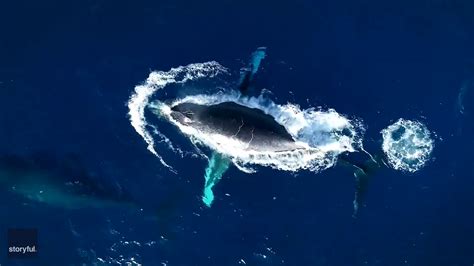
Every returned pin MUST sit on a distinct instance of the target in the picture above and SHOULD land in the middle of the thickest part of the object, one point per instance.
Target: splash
(407, 145)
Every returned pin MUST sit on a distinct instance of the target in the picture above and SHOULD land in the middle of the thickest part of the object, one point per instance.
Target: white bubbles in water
(407, 145)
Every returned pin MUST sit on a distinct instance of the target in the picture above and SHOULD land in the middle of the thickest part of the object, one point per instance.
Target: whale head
(186, 113)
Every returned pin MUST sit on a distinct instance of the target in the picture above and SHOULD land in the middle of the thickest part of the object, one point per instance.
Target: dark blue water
(67, 70)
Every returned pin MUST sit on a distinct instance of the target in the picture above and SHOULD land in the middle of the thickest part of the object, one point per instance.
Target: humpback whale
(252, 126)
(64, 183)
(58, 183)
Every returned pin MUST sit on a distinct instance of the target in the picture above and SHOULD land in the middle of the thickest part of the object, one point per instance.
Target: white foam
(158, 80)
(407, 145)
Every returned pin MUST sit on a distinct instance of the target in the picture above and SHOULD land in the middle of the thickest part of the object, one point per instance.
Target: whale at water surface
(257, 130)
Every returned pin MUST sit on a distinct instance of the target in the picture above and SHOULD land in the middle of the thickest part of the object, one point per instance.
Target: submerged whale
(58, 183)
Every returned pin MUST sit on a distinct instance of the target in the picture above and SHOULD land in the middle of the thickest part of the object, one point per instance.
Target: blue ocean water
(67, 70)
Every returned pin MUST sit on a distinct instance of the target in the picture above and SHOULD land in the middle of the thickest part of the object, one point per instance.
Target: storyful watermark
(22, 243)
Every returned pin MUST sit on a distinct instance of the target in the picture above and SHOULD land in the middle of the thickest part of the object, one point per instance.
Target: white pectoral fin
(216, 167)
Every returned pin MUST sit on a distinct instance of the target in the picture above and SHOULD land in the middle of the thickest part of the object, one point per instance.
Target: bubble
(407, 145)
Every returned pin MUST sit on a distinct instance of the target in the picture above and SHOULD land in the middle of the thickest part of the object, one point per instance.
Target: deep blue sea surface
(68, 68)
